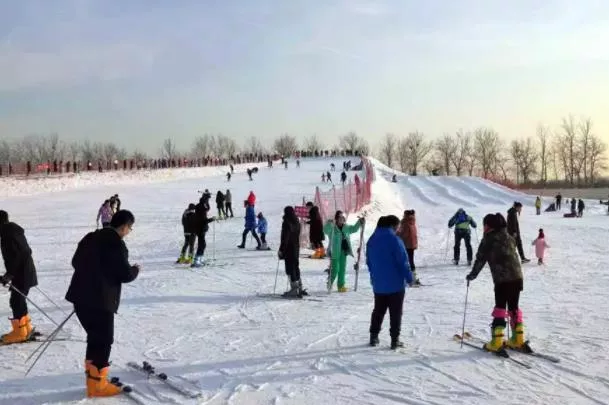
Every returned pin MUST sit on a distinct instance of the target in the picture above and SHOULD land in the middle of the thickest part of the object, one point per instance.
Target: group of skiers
(101, 266)
(577, 206)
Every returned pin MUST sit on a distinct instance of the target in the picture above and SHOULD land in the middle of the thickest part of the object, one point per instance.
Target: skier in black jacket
(189, 223)
(513, 228)
(202, 226)
(101, 266)
(316, 233)
(289, 251)
(220, 198)
(21, 273)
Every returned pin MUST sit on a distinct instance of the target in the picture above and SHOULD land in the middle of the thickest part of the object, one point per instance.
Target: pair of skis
(474, 342)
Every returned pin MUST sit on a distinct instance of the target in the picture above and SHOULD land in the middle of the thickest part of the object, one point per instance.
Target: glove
(6, 278)
(470, 277)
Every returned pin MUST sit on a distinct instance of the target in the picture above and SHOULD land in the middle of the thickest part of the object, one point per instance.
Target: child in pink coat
(540, 246)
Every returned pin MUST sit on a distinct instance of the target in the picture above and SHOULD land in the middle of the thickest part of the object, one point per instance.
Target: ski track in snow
(207, 327)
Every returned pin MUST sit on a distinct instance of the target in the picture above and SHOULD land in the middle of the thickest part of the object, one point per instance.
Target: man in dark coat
(189, 223)
(202, 226)
(220, 198)
(513, 228)
(101, 266)
(21, 273)
(289, 251)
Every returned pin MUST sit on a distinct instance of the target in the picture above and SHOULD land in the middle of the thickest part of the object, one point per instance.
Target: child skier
(540, 246)
(189, 223)
(105, 214)
(408, 233)
(340, 246)
(498, 249)
(262, 227)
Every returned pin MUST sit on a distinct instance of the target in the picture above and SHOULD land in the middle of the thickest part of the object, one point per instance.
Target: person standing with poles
(340, 247)
(498, 249)
(387, 262)
(461, 221)
(20, 276)
(202, 227)
(101, 266)
(289, 252)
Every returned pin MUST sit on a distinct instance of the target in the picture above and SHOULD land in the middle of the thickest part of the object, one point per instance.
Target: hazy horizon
(137, 72)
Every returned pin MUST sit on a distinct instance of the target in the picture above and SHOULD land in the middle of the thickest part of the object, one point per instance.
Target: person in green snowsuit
(340, 246)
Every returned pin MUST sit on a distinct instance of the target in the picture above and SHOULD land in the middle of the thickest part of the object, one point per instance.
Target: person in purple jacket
(105, 213)
(387, 262)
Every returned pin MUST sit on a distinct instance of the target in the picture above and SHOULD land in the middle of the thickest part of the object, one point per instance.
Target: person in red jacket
(251, 199)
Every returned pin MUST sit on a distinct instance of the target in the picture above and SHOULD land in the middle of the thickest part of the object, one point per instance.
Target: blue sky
(138, 71)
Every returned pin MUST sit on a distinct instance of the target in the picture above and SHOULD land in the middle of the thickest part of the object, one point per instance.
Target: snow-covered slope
(209, 327)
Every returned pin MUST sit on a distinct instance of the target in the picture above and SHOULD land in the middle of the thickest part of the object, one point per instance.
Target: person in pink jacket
(105, 214)
(540, 246)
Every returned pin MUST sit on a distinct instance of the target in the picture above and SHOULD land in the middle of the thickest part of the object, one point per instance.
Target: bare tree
(286, 145)
(487, 146)
(312, 144)
(568, 139)
(254, 145)
(111, 151)
(388, 149)
(462, 152)
(585, 137)
(354, 143)
(543, 135)
(6, 152)
(168, 150)
(597, 157)
(403, 155)
(74, 149)
(525, 158)
(447, 148)
(201, 146)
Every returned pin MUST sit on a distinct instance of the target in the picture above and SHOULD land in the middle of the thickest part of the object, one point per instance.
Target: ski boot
(374, 339)
(188, 260)
(496, 343)
(303, 292)
(540, 262)
(180, 259)
(294, 291)
(456, 262)
(28, 326)
(396, 343)
(525, 260)
(469, 262)
(98, 384)
(197, 262)
(18, 334)
(342, 289)
(241, 246)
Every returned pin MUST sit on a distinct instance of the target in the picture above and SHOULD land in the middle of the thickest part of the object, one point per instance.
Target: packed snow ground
(209, 327)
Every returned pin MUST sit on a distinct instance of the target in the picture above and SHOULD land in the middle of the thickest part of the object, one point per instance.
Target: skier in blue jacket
(387, 262)
(262, 227)
(250, 225)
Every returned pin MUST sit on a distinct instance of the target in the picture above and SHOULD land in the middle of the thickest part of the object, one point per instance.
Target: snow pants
(228, 207)
(292, 268)
(99, 325)
(18, 303)
(202, 244)
(338, 268)
(507, 296)
(395, 303)
(254, 234)
(221, 210)
(189, 244)
(411, 259)
(467, 238)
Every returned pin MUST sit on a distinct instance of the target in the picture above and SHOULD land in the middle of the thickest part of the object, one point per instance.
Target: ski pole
(51, 301)
(464, 313)
(276, 275)
(47, 343)
(12, 287)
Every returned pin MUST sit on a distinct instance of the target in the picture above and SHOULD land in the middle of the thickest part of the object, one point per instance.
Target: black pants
(221, 211)
(292, 268)
(465, 236)
(18, 303)
(189, 243)
(228, 207)
(202, 244)
(394, 302)
(411, 259)
(558, 205)
(254, 234)
(519, 247)
(99, 325)
(538, 210)
(507, 296)
(263, 237)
